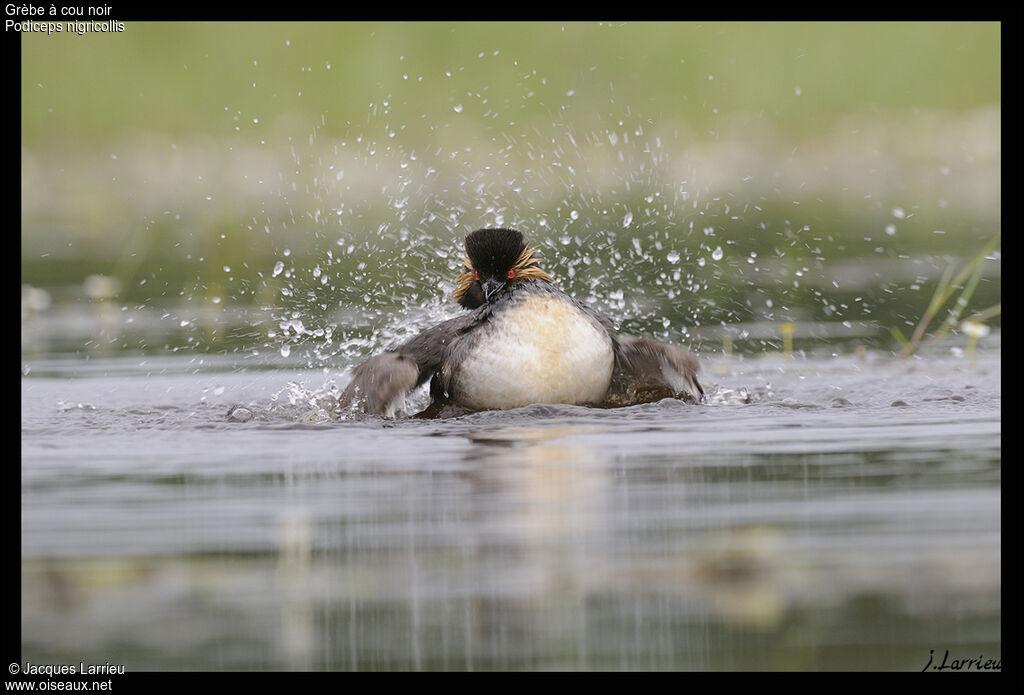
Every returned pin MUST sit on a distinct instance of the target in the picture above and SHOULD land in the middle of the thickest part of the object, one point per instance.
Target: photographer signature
(979, 664)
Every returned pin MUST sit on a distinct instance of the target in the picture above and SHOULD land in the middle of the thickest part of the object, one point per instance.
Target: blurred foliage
(683, 177)
(196, 77)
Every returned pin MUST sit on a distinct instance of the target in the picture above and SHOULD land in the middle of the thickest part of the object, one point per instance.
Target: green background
(703, 174)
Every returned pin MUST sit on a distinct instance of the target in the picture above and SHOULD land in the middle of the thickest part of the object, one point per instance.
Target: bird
(520, 341)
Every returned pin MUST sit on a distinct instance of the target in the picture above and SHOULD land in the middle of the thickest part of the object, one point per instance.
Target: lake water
(817, 512)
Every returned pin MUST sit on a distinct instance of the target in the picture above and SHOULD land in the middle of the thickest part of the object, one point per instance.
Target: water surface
(815, 513)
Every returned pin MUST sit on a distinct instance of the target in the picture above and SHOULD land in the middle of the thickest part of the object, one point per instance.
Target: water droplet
(457, 108)
(278, 267)
(717, 253)
(574, 215)
(673, 256)
(627, 219)
(890, 229)
(286, 350)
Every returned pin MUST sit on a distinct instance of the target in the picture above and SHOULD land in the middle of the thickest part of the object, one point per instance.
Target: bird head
(495, 261)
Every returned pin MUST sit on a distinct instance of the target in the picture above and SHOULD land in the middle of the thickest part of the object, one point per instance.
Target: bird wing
(648, 370)
(380, 385)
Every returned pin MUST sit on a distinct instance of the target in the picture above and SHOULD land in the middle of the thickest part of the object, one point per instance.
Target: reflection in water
(545, 496)
(293, 575)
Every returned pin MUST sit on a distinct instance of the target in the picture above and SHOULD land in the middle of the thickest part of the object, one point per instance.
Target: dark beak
(491, 287)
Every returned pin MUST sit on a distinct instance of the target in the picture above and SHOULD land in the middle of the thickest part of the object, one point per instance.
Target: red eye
(511, 273)
(476, 275)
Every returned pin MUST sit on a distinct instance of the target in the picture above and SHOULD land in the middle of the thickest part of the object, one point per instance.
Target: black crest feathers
(493, 251)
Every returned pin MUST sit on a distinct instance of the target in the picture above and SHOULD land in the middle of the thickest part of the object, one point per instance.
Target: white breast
(542, 349)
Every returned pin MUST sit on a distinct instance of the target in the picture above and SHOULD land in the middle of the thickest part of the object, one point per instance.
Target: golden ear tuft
(527, 269)
(464, 280)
